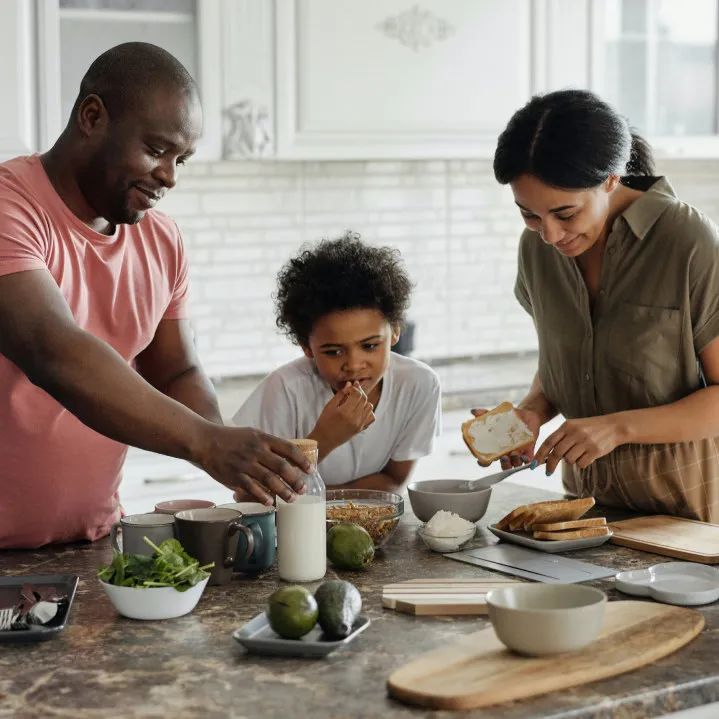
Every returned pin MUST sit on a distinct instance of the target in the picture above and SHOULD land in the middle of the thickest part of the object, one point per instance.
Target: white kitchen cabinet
(340, 79)
(18, 129)
(392, 77)
(72, 33)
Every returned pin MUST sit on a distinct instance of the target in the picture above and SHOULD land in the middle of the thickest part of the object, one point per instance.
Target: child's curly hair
(337, 275)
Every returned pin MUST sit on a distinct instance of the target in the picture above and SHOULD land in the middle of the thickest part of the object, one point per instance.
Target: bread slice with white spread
(496, 433)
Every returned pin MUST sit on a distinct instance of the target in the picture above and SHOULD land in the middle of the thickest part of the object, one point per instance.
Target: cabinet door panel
(386, 77)
(74, 32)
(17, 84)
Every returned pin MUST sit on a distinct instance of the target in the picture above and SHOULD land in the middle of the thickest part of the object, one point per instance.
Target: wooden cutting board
(480, 671)
(670, 536)
(441, 597)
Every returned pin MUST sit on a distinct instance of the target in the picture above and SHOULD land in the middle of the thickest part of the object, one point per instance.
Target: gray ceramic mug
(133, 527)
(210, 535)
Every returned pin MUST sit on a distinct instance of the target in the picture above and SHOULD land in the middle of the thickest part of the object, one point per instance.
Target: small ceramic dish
(544, 619)
(258, 638)
(10, 588)
(446, 544)
(153, 602)
(683, 583)
(549, 545)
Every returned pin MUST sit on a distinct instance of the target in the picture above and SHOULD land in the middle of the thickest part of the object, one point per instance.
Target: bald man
(96, 352)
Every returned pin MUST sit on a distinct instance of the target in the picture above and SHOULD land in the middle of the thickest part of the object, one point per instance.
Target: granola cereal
(378, 520)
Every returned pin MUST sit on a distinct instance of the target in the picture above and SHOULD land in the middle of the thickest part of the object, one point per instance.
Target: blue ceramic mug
(260, 519)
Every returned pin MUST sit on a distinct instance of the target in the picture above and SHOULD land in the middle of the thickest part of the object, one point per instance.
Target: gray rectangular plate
(257, 637)
(549, 545)
(10, 593)
(530, 563)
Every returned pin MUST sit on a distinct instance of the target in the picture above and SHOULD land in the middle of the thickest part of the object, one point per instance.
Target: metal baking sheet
(531, 564)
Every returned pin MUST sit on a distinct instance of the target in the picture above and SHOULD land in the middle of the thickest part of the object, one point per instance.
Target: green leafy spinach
(169, 566)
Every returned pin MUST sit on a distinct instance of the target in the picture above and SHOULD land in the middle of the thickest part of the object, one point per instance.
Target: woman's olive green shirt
(656, 310)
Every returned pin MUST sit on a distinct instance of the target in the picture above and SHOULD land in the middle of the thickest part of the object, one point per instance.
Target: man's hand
(523, 455)
(345, 415)
(253, 463)
(580, 442)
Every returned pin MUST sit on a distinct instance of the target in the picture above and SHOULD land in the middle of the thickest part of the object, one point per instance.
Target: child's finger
(341, 395)
(360, 388)
(355, 399)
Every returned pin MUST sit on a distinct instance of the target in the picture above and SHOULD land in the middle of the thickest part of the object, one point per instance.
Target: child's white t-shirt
(288, 402)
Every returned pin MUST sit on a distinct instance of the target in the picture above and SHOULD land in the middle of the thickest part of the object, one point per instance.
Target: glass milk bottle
(301, 525)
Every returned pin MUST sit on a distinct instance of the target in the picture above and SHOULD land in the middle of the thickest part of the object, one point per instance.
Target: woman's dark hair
(337, 275)
(570, 139)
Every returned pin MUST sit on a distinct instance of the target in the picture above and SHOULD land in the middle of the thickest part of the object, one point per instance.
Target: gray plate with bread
(553, 526)
(547, 545)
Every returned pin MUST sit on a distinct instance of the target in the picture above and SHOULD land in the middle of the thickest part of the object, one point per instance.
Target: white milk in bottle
(301, 526)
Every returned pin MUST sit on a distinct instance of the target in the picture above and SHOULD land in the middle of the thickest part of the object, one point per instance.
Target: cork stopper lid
(308, 447)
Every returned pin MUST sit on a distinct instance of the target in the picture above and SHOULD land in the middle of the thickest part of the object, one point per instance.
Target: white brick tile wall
(456, 228)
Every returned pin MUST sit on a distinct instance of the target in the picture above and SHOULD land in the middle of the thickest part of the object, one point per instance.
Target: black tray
(10, 592)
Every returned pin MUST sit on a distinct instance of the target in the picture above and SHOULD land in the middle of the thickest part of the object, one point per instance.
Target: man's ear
(308, 352)
(395, 335)
(91, 115)
(610, 184)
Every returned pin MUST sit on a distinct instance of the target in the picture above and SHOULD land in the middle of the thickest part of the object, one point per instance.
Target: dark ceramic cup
(261, 520)
(210, 535)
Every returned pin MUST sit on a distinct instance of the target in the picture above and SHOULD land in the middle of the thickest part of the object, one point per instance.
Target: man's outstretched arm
(88, 377)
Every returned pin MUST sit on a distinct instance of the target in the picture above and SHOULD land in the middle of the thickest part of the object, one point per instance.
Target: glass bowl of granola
(377, 511)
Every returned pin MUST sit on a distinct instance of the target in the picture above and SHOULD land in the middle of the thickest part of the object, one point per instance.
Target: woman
(622, 281)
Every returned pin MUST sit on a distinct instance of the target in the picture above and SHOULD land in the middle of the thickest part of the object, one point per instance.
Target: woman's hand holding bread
(524, 426)
(345, 415)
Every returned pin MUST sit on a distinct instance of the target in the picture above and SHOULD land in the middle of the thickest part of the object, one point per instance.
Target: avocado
(339, 606)
(292, 612)
(349, 546)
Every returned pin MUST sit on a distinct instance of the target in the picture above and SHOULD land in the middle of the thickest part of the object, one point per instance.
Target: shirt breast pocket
(646, 343)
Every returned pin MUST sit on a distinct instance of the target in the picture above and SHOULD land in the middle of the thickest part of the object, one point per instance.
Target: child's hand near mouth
(345, 415)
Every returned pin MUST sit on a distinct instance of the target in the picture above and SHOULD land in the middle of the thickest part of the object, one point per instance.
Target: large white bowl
(540, 619)
(428, 496)
(153, 602)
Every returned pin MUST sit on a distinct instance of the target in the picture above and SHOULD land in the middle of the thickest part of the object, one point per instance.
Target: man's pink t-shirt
(58, 478)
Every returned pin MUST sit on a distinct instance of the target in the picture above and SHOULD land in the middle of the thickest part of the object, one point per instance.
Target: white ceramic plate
(684, 583)
(549, 545)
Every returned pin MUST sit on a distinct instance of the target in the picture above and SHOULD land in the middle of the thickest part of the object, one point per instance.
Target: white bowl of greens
(166, 585)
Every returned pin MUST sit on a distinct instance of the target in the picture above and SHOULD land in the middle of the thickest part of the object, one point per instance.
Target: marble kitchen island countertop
(105, 665)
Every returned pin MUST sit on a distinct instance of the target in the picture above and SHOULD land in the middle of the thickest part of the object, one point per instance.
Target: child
(374, 413)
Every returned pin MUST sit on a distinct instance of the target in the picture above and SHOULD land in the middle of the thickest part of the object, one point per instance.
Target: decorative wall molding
(249, 134)
(416, 28)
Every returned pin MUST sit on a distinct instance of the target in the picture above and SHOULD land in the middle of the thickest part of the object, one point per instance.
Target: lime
(349, 546)
(292, 612)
